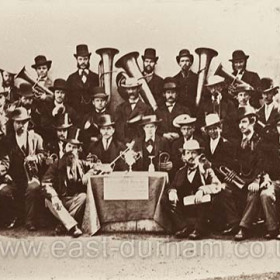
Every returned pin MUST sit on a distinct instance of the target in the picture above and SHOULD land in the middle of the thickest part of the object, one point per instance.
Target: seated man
(108, 148)
(151, 145)
(65, 186)
(195, 178)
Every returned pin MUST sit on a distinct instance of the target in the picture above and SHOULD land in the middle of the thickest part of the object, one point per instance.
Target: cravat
(244, 143)
(84, 76)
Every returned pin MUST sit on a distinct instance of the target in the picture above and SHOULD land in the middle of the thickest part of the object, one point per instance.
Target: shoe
(195, 235)
(272, 235)
(76, 232)
(230, 230)
(31, 227)
(14, 223)
(241, 235)
(184, 233)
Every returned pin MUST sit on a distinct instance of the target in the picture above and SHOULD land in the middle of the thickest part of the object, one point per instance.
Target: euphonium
(105, 69)
(205, 57)
(129, 63)
(231, 176)
(38, 89)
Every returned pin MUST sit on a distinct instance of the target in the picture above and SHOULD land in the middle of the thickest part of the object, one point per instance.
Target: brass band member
(65, 187)
(82, 81)
(25, 151)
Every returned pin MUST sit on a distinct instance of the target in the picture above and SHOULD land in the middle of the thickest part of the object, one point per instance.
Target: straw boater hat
(191, 145)
(105, 120)
(26, 90)
(246, 111)
(214, 80)
(62, 121)
(267, 85)
(20, 114)
(41, 60)
(59, 84)
(183, 119)
(82, 50)
(149, 119)
(73, 136)
(151, 54)
(243, 88)
(238, 54)
(131, 83)
(183, 53)
(211, 120)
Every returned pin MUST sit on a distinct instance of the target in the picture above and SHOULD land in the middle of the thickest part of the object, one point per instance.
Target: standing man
(239, 66)
(154, 81)
(9, 86)
(42, 67)
(82, 81)
(186, 80)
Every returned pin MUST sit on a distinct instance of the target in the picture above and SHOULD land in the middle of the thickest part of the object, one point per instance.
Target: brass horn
(220, 71)
(205, 57)
(129, 63)
(105, 69)
(38, 89)
(231, 176)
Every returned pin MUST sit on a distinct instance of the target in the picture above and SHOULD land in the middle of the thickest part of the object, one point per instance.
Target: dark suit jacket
(187, 88)
(156, 86)
(126, 132)
(160, 145)
(274, 114)
(79, 96)
(167, 118)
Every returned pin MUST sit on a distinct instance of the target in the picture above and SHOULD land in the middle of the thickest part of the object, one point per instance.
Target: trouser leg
(7, 202)
(32, 195)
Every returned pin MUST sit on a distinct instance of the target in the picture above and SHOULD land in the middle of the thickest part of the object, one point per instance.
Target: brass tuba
(205, 57)
(131, 69)
(38, 89)
(105, 69)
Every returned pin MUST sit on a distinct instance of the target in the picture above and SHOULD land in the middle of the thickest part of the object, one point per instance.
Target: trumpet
(231, 176)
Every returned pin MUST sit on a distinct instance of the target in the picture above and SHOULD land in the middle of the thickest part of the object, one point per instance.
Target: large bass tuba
(129, 63)
(38, 89)
(105, 69)
(205, 57)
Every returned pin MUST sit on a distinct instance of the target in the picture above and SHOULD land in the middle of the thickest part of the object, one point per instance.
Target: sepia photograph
(140, 139)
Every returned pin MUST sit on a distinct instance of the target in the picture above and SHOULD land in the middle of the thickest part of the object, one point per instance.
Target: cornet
(231, 176)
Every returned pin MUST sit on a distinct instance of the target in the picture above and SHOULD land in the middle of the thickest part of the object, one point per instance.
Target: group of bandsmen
(227, 147)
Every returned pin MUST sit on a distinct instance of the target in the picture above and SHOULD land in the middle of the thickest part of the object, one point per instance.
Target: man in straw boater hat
(239, 66)
(170, 109)
(25, 151)
(151, 145)
(90, 130)
(132, 107)
(82, 81)
(108, 148)
(65, 186)
(42, 67)
(186, 80)
(154, 81)
(195, 178)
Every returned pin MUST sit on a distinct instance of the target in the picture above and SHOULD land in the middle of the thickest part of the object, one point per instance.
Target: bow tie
(191, 170)
(84, 73)
(133, 102)
(149, 142)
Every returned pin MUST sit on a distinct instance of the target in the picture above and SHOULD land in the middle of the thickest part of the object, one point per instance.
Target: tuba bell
(131, 69)
(38, 89)
(205, 57)
(105, 69)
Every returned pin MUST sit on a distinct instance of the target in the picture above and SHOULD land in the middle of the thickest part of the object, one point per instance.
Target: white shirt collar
(214, 144)
(58, 104)
(152, 138)
(85, 70)
(106, 142)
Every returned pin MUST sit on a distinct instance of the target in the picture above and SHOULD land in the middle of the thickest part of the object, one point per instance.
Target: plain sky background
(54, 28)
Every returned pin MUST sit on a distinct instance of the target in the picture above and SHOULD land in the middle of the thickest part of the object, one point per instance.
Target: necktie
(244, 143)
(106, 144)
(84, 76)
(149, 145)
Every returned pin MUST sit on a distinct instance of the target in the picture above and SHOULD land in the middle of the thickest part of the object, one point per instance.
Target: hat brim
(203, 128)
(73, 141)
(100, 95)
(238, 58)
(47, 62)
(59, 88)
(150, 122)
(270, 89)
(155, 58)
(178, 124)
(82, 54)
(181, 150)
(21, 119)
(106, 124)
(246, 116)
(190, 56)
(62, 126)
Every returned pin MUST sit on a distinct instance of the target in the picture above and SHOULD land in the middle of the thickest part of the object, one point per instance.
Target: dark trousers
(7, 204)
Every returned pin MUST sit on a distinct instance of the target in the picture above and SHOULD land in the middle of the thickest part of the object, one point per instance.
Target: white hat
(192, 145)
(214, 80)
(211, 119)
(183, 119)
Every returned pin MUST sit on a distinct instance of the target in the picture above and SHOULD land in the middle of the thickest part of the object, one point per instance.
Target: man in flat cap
(239, 65)
(82, 81)
(186, 80)
(154, 81)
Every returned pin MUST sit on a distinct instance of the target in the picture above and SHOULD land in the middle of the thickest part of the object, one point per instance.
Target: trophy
(130, 157)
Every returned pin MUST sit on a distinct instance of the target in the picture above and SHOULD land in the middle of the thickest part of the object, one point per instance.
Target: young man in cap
(170, 109)
(65, 186)
(132, 107)
(108, 148)
(186, 80)
(154, 81)
(82, 81)
(239, 66)
(8, 86)
(151, 145)
(42, 67)
(195, 178)
(25, 151)
(90, 130)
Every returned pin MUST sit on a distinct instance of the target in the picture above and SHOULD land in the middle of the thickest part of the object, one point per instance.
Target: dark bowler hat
(183, 53)
(41, 60)
(59, 84)
(150, 53)
(20, 114)
(105, 120)
(62, 121)
(239, 54)
(82, 50)
(26, 90)
(73, 136)
(149, 119)
(169, 83)
(99, 92)
(267, 85)
(246, 111)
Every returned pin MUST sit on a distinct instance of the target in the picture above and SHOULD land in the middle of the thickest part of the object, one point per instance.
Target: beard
(83, 65)
(148, 69)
